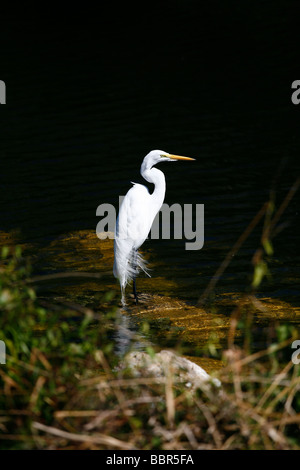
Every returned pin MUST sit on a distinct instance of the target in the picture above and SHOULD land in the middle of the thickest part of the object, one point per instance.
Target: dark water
(87, 99)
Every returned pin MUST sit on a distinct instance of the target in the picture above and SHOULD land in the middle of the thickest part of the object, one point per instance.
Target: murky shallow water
(167, 305)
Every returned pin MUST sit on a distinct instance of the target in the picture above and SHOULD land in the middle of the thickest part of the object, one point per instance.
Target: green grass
(60, 388)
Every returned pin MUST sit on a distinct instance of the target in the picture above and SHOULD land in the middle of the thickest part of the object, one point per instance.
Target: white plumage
(135, 219)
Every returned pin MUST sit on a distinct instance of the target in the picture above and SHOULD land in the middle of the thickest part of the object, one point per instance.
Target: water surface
(89, 105)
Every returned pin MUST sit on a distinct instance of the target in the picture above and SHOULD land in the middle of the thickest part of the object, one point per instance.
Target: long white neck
(155, 176)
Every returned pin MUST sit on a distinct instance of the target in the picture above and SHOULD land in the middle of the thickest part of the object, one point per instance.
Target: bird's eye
(163, 156)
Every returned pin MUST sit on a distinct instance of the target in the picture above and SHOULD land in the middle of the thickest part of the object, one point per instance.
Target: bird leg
(135, 292)
(134, 280)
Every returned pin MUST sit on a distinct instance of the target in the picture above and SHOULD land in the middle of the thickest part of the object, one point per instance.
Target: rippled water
(81, 119)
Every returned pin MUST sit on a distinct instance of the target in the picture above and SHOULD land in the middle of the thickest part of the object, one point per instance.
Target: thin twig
(284, 204)
(49, 277)
(213, 429)
(277, 380)
(100, 439)
(232, 253)
(257, 355)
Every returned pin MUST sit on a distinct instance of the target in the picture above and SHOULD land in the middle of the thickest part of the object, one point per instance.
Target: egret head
(158, 156)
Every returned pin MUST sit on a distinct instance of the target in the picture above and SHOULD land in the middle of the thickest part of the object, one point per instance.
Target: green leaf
(150, 351)
(268, 247)
(260, 271)
(4, 252)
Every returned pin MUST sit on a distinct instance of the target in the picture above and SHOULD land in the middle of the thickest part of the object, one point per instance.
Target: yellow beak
(178, 157)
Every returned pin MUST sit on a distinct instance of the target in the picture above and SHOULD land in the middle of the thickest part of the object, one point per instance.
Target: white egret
(136, 215)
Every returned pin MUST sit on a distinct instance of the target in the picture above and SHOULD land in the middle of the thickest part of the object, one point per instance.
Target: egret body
(136, 215)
